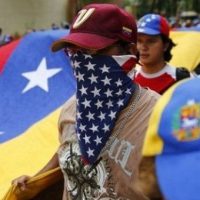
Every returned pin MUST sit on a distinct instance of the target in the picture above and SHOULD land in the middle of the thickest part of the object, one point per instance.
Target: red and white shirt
(159, 81)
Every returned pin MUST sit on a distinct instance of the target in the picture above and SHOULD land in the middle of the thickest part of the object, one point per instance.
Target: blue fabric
(150, 24)
(179, 176)
(20, 105)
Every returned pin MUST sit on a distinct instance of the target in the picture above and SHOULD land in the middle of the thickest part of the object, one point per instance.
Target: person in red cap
(102, 127)
(154, 47)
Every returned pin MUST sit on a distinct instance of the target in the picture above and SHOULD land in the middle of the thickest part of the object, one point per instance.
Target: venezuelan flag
(34, 84)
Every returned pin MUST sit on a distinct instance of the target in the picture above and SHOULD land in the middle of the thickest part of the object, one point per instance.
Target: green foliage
(166, 7)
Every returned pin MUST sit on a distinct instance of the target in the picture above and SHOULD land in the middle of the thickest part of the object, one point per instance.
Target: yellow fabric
(29, 152)
(34, 185)
(187, 51)
(153, 144)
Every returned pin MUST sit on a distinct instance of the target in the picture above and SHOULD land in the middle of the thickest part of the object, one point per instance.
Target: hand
(21, 182)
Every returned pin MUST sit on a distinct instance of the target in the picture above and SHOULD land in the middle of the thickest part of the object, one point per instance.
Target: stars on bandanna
(90, 66)
(103, 89)
(104, 69)
(106, 81)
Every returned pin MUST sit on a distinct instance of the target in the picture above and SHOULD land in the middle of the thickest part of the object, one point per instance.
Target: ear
(166, 46)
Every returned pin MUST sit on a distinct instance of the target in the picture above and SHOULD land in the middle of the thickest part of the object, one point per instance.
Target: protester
(103, 127)
(154, 47)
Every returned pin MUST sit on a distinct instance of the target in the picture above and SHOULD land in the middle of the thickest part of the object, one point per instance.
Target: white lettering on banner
(120, 152)
(83, 16)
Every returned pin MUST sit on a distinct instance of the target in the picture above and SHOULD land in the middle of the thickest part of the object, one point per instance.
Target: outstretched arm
(22, 180)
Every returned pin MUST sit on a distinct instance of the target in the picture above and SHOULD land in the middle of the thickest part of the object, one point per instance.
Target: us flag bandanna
(103, 90)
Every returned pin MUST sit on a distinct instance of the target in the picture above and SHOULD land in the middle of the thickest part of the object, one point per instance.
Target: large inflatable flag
(173, 137)
(34, 84)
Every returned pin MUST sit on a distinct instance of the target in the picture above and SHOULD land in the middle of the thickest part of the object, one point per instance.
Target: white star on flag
(86, 103)
(105, 128)
(109, 104)
(102, 116)
(76, 64)
(128, 91)
(78, 115)
(95, 92)
(119, 83)
(120, 92)
(99, 104)
(90, 116)
(104, 69)
(39, 78)
(120, 103)
(93, 78)
(87, 139)
(90, 66)
(83, 90)
(82, 127)
(80, 77)
(94, 128)
(108, 93)
(98, 140)
(112, 114)
(106, 81)
(90, 152)
(87, 56)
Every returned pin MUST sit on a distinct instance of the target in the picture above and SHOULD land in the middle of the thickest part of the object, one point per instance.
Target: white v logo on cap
(83, 16)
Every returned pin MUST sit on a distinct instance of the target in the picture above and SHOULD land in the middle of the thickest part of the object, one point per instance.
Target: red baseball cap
(98, 26)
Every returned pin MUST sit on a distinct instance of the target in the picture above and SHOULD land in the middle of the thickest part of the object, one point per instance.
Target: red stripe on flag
(129, 64)
(5, 52)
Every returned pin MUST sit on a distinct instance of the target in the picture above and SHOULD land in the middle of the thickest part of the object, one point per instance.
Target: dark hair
(171, 44)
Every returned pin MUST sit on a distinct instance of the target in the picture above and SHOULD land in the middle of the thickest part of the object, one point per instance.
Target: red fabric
(158, 84)
(5, 52)
(164, 26)
(100, 26)
(128, 65)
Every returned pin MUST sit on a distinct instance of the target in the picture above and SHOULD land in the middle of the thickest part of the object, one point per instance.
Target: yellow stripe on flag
(29, 152)
(34, 186)
(153, 144)
(186, 53)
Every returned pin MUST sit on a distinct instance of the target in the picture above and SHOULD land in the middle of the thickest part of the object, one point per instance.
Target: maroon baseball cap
(98, 26)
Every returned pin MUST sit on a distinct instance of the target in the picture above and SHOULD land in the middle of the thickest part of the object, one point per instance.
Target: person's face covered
(103, 90)
(118, 48)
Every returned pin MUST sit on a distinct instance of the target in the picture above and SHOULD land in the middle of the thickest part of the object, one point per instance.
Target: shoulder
(69, 104)
(67, 119)
(68, 111)
(148, 95)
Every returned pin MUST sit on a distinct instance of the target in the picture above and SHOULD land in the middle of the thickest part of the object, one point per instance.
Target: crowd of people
(7, 38)
(102, 129)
